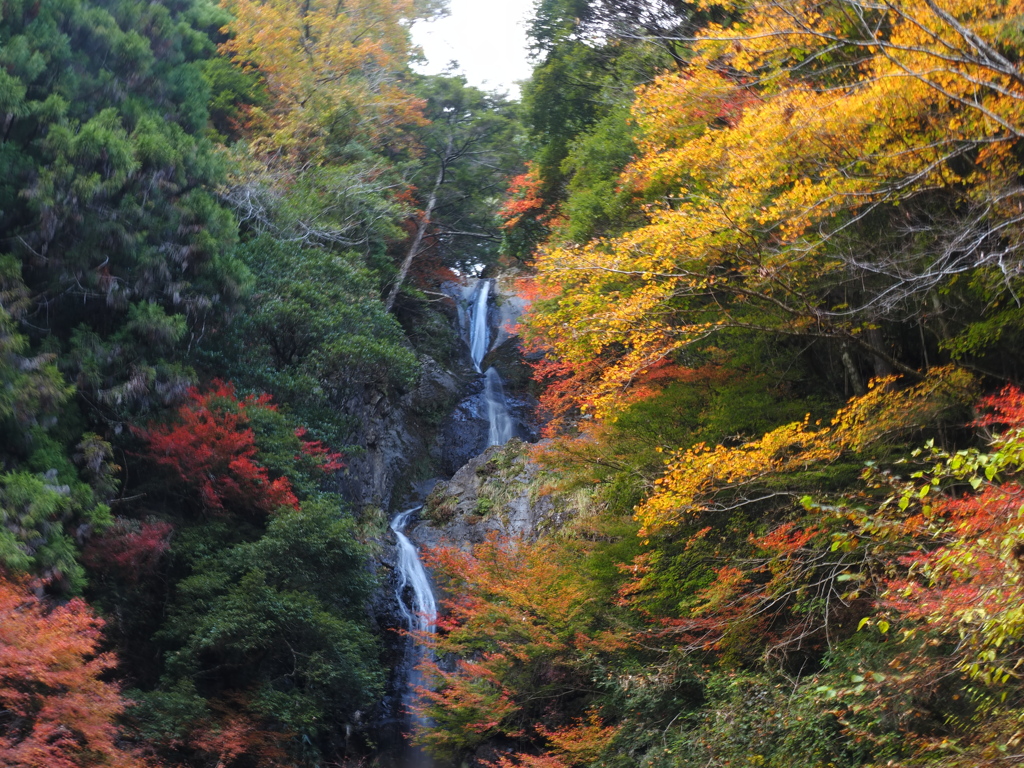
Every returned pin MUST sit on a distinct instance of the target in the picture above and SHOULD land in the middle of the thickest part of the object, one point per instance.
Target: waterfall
(418, 608)
(500, 421)
(478, 325)
(500, 431)
(422, 612)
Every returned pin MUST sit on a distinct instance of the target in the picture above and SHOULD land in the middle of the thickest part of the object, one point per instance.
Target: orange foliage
(1005, 409)
(782, 593)
(583, 741)
(520, 618)
(562, 402)
(428, 270)
(703, 479)
(236, 734)
(523, 198)
(580, 743)
(57, 710)
(324, 458)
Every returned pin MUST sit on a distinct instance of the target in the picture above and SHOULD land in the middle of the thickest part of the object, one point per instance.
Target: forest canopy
(773, 256)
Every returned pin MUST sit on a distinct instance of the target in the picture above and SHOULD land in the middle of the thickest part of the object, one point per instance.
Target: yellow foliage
(320, 58)
(695, 478)
(817, 121)
(703, 479)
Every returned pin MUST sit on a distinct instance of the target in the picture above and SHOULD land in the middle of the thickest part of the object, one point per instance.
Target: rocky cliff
(396, 434)
(501, 492)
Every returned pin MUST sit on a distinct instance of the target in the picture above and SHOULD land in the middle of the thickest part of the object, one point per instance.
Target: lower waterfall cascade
(500, 426)
(416, 603)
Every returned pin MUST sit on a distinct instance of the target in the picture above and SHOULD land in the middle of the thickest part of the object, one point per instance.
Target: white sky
(486, 37)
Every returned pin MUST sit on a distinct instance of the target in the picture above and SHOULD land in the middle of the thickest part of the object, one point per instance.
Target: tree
(318, 167)
(315, 334)
(59, 711)
(124, 253)
(212, 449)
(267, 648)
(775, 176)
(962, 518)
(469, 148)
(527, 639)
(329, 68)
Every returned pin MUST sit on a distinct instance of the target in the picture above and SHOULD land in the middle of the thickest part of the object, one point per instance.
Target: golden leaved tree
(817, 168)
(326, 63)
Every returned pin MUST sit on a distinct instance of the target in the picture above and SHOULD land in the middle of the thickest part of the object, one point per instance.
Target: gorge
(414, 593)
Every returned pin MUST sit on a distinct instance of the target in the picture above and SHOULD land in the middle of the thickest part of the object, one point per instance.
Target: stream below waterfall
(417, 604)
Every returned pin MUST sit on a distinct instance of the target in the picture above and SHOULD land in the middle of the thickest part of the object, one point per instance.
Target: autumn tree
(769, 175)
(318, 163)
(466, 151)
(213, 449)
(59, 709)
(330, 69)
(262, 644)
(527, 639)
(951, 602)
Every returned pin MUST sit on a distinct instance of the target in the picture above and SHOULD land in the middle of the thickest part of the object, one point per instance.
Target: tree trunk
(851, 372)
(421, 230)
(881, 364)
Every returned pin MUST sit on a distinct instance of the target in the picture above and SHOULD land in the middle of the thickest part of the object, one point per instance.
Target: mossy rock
(440, 506)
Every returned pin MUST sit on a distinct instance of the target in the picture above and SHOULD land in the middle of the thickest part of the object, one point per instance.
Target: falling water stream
(414, 593)
(478, 332)
(498, 417)
(415, 596)
(418, 608)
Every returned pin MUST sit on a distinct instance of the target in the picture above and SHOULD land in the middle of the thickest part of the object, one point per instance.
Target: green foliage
(33, 387)
(439, 507)
(596, 203)
(349, 205)
(758, 720)
(462, 158)
(39, 515)
(107, 200)
(433, 332)
(232, 92)
(576, 106)
(314, 335)
(560, 101)
(278, 622)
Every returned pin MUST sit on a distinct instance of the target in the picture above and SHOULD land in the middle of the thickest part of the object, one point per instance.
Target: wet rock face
(509, 307)
(463, 434)
(394, 433)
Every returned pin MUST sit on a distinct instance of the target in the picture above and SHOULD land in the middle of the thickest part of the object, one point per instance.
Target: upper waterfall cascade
(478, 331)
(501, 427)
